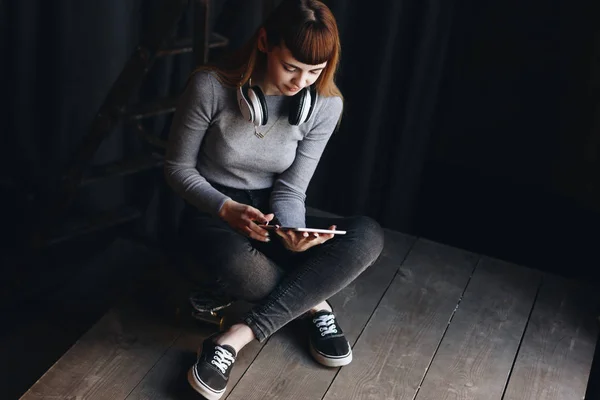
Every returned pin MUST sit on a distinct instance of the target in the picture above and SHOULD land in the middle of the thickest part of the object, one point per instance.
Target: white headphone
(253, 105)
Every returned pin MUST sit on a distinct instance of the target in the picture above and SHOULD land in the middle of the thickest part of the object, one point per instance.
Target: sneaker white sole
(201, 388)
(330, 362)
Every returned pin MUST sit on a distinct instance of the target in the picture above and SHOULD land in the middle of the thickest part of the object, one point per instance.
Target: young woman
(244, 144)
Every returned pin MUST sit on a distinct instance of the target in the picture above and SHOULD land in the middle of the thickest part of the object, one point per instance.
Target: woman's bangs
(312, 45)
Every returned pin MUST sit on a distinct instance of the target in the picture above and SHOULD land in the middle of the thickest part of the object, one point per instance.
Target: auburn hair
(306, 27)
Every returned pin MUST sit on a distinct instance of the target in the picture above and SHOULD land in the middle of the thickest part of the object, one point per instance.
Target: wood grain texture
(46, 327)
(109, 360)
(396, 315)
(394, 351)
(285, 370)
(556, 354)
(168, 379)
(476, 354)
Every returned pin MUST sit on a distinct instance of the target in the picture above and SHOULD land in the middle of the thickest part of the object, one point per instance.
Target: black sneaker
(328, 345)
(209, 375)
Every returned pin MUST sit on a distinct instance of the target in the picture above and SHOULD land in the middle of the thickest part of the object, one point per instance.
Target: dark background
(471, 123)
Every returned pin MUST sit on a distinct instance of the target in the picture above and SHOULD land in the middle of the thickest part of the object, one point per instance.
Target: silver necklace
(261, 135)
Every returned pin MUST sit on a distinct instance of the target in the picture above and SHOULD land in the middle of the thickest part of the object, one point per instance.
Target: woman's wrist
(224, 208)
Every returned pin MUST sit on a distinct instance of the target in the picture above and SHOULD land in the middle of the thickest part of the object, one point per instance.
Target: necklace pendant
(258, 134)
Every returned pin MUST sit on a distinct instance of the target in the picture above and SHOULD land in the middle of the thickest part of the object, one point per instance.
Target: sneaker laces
(326, 324)
(222, 359)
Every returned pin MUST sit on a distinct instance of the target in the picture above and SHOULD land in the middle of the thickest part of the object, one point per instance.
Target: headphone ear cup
(244, 103)
(295, 114)
(262, 101)
(301, 106)
(256, 107)
(305, 107)
(313, 101)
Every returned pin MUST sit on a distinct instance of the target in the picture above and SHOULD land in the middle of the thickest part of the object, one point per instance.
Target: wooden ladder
(53, 225)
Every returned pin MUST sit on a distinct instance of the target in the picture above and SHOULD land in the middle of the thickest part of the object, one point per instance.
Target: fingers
(253, 231)
(258, 233)
(324, 236)
(256, 218)
(320, 237)
(301, 238)
(295, 241)
(284, 234)
(245, 223)
(302, 241)
(254, 214)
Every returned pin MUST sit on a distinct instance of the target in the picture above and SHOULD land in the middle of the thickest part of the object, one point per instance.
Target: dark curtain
(62, 58)
(59, 61)
(64, 55)
(394, 53)
(495, 88)
(511, 171)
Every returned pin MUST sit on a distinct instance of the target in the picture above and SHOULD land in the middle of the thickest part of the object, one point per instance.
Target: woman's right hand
(242, 217)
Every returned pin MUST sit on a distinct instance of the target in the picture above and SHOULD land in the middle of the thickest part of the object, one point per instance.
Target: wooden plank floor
(426, 322)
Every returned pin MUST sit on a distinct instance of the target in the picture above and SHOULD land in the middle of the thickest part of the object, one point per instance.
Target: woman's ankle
(237, 336)
(321, 306)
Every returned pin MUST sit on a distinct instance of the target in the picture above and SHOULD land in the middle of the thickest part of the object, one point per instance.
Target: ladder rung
(123, 167)
(153, 108)
(153, 140)
(185, 45)
(93, 223)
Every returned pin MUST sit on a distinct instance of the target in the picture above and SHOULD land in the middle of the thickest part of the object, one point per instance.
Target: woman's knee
(368, 235)
(245, 274)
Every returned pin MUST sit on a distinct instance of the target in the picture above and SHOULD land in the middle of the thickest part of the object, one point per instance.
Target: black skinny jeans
(282, 284)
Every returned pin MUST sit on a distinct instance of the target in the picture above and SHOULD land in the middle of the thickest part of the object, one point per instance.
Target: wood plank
(476, 355)
(593, 389)
(46, 325)
(394, 351)
(556, 354)
(168, 378)
(285, 370)
(110, 359)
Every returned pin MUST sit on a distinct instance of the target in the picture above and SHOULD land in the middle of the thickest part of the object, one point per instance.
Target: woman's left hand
(302, 241)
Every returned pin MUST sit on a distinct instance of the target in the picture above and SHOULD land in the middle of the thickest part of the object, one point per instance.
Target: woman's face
(286, 75)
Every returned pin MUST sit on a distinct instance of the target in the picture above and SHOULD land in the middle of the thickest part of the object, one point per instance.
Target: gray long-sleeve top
(211, 141)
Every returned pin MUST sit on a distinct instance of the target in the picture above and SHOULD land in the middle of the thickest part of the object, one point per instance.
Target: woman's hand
(302, 241)
(242, 217)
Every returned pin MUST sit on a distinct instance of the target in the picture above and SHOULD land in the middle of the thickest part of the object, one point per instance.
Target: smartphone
(310, 230)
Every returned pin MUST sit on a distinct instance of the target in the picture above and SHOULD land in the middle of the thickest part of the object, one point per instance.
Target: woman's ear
(262, 40)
